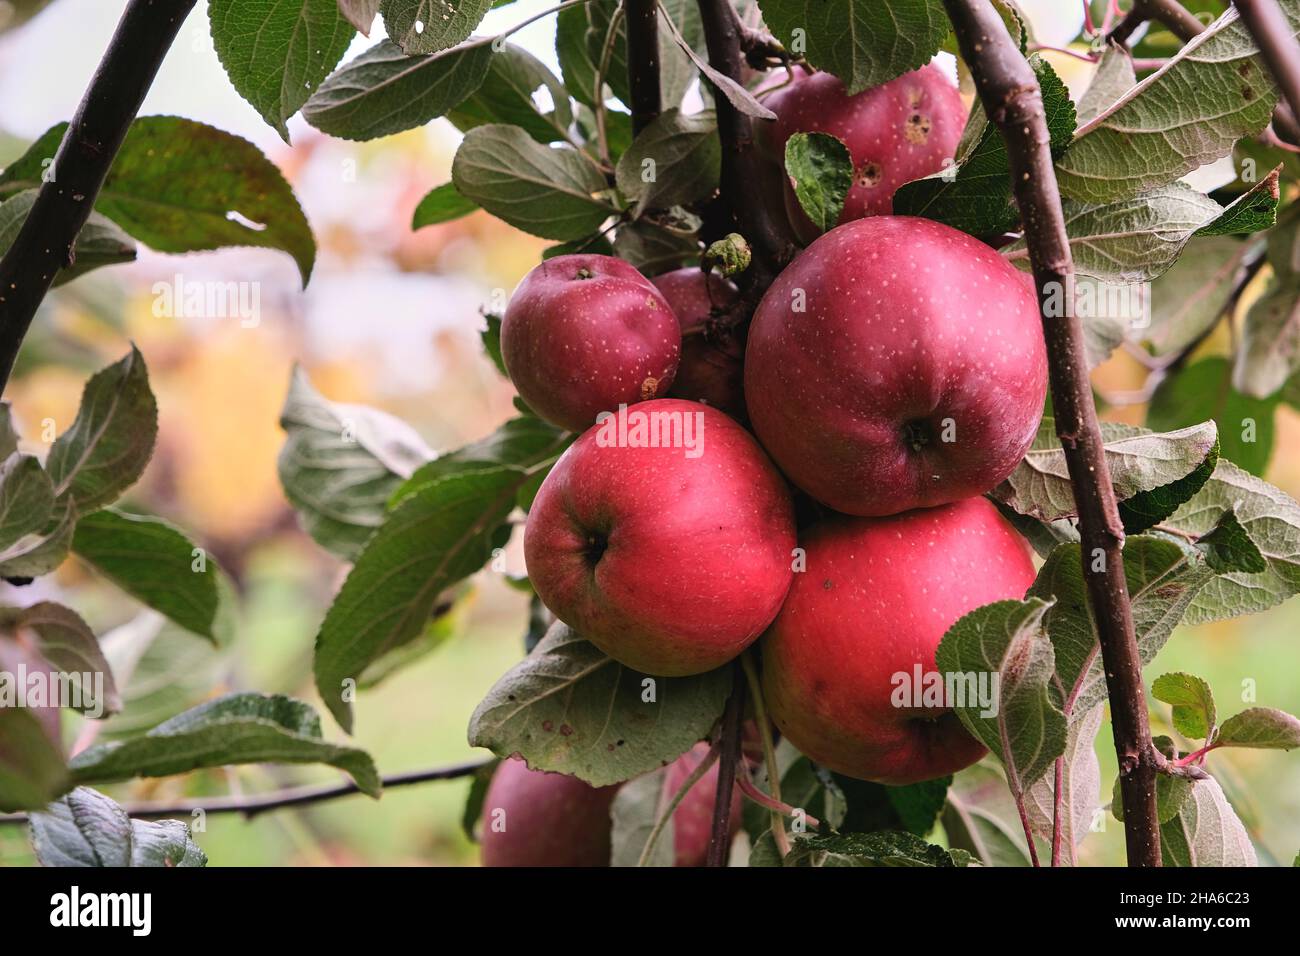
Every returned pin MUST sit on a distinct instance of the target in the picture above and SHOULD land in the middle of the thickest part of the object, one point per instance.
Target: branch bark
(1267, 24)
(643, 62)
(728, 757)
(44, 245)
(1013, 101)
(251, 806)
(749, 188)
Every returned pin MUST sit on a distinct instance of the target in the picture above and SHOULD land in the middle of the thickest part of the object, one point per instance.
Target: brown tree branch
(44, 244)
(643, 62)
(754, 210)
(1277, 44)
(1013, 101)
(251, 806)
(728, 757)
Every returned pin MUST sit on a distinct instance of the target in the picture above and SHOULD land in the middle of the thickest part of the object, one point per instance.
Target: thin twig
(256, 804)
(602, 71)
(694, 777)
(1013, 101)
(729, 754)
(44, 244)
(769, 752)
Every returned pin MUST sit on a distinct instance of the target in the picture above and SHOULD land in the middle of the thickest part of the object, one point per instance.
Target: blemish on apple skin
(649, 387)
(548, 726)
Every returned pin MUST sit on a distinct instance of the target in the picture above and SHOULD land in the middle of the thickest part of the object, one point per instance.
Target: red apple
(531, 818)
(693, 818)
(586, 333)
(895, 364)
(877, 596)
(712, 364)
(902, 130)
(664, 537)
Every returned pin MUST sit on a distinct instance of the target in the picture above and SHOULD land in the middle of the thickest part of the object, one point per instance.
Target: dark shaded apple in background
(895, 364)
(670, 564)
(550, 819)
(897, 132)
(876, 599)
(585, 333)
(712, 364)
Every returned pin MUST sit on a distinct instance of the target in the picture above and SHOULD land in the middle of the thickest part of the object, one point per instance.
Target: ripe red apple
(664, 537)
(693, 818)
(895, 364)
(902, 130)
(531, 818)
(585, 333)
(712, 365)
(876, 598)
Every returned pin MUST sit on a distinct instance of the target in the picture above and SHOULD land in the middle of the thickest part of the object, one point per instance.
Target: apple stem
(779, 810)
(43, 245)
(769, 755)
(729, 753)
(1013, 101)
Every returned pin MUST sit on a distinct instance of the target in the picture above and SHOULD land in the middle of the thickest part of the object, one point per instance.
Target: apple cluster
(893, 374)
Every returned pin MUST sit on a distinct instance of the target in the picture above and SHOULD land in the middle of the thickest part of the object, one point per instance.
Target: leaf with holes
(430, 26)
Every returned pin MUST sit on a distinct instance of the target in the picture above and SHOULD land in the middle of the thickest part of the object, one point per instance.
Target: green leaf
(1153, 473)
(66, 642)
(35, 554)
(100, 242)
(26, 498)
(178, 185)
(637, 807)
(1026, 728)
(1260, 727)
(86, 828)
(1194, 715)
(1133, 238)
(1163, 580)
(478, 788)
(1269, 353)
(543, 191)
(1159, 131)
(506, 96)
(1206, 832)
(653, 248)
(526, 443)
(1253, 211)
(977, 818)
(569, 708)
(153, 562)
(821, 171)
(491, 336)
(1080, 788)
(1189, 299)
(235, 729)
(441, 204)
(1228, 547)
(430, 26)
(976, 196)
(864, 44)
(441, 532)
(341, 463)
(1270, 517)
(673, 161)
(578, 62)
(919, 804)
(383, 91)
(111, 440)
(277, 53)
(1114, 77)
(1203, 390)
(885, 848)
